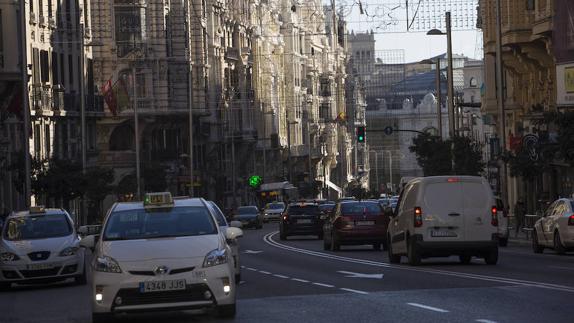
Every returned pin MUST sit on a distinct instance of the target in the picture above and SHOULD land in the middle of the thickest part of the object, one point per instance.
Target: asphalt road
(296, 281)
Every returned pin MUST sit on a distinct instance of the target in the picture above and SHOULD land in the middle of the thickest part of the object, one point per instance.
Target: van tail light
(344, 221)
(571, 220)
(494, 220)
(418, 217)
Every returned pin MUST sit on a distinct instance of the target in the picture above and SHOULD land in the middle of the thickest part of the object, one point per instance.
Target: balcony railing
(41, 97)
(232, 53)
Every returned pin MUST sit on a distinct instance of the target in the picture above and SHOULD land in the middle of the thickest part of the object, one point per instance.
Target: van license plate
(307, 221)
(365, 222)
(443, 234)
(163, 285)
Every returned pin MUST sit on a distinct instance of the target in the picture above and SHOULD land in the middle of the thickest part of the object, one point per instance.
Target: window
(70, 71)
(530, 4)
(473, 82)
(55, 78)
(45, 66)
(129, 25)
(1, 43)
(38, 227)
(37, 142)
(36, 65)
(62, 69)
(47, 141)
(49, 8)
(40, 8)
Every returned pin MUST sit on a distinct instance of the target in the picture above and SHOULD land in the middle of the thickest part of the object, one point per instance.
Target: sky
(388, 19)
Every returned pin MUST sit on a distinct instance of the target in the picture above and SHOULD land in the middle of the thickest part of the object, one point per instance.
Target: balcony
(543, 14)
(517, 23)
(41, 97)
(232, 53)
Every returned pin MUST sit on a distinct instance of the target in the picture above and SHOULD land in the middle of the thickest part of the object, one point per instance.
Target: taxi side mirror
(89, 242)
(236, 224)
(233, 233)
(87, 230)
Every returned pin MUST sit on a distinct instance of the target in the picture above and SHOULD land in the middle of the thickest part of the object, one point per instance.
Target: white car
(556, 228)
(273, 211)
(40, 245)
(161, 254)
(440, 216)
(223, 225)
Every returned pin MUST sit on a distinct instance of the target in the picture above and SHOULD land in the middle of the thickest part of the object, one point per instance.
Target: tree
(154, 178)
(98, 185)
(467, 156)
(58, 180)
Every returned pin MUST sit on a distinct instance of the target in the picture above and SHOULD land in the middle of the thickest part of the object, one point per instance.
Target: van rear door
(442, 211)
(478, 202)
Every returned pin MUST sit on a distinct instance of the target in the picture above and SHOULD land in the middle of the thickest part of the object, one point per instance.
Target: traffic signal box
(361, 134)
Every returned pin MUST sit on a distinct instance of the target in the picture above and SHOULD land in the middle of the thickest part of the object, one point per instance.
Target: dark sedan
(301, 219)
(356, 223)
(249, 216)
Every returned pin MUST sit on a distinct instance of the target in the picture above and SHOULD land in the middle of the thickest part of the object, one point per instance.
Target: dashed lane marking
(485, 321)
(430, 308)
(300, 280)
(280, 276)
(265, 272)
(354, 291)
(323, 285)
(252, 269)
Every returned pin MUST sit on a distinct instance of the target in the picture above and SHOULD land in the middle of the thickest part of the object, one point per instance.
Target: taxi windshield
(276, 206)
(37, 227)
(159, 223)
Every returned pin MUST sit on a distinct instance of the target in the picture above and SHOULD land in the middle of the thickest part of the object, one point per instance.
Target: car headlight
(8, 256)
(70, 251)
(215, 257)
(107, 265)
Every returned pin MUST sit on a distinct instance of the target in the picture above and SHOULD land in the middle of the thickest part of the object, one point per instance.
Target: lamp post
(439, 94)
(450, 89)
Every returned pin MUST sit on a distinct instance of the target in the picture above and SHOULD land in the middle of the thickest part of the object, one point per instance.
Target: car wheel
(102, 317)
(413, 253)
(503, 242)
(536, 247)
(377, 246)
(226, 311)
(464, 259)
(335, 244)
(491, 257)
(393, 259)
(385, 246)
(558, 247)
(4, 287)
(82, 278)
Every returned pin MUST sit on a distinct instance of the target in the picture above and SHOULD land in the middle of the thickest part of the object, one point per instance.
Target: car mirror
(236, 224)
(87, 230)
(233, 233)
(89, 242)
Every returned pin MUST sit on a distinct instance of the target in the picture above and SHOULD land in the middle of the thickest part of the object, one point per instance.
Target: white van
(441, 216)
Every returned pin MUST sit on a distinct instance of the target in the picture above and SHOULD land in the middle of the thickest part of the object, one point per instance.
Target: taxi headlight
(107, 265)
(8, 256)
(215, 257)
(70, 251)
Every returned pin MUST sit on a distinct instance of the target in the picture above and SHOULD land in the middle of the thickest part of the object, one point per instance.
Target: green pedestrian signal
(255, 181)
(361, 134)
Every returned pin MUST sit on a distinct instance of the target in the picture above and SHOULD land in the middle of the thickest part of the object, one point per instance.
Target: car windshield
(361, 208)
(276, 206)
(37, 227)
(326, 207)
(247, 210)
(307, 210)
(219, 217)
(159, 223)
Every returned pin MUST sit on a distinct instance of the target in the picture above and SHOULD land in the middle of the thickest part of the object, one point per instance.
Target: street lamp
(438, 90)
(450, 89)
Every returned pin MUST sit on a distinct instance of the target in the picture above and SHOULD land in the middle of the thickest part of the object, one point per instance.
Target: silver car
(556, 228)
(273, 211)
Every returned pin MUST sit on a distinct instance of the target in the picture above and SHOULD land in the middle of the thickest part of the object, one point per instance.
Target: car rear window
(247, 210)
(361, 208)
(307, 210)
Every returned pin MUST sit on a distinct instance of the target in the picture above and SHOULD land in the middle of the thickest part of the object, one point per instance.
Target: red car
(356, 223)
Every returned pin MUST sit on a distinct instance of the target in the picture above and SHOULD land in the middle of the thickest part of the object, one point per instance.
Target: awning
(269, 187)
(333, 186)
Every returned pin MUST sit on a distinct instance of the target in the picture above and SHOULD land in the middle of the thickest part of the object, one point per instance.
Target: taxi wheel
(491, 257)
(81, 279)
(4, 287)
(558, 247)
(226, 311)
(102, 317)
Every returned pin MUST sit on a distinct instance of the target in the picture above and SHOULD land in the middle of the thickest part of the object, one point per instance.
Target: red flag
(110, 97)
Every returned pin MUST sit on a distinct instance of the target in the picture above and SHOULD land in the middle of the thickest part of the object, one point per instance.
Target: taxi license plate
(161, 286)
(40, 266)
(443, 234)
(365, 222)
(306, 221)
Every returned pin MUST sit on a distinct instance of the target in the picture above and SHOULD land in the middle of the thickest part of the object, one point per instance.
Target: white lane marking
(323, 285)
(562, 267)
(265, 272)
(300, 280)
(252, 269)
(281, 276)
(242, 267)
(267, 238)
(351, 274)
(252, 252)
(485, 321)
(354, 291)
(430, 308)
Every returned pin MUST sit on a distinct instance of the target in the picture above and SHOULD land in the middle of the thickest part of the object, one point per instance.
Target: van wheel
(226, 311)
(492, 257)
(503, 242)
(377, 246)
(558, 247)
(464, 259)
(413, 253)
(536, 247)
(393, 259)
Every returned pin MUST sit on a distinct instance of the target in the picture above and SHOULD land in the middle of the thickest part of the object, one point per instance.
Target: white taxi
(40, 245)
(162, 254)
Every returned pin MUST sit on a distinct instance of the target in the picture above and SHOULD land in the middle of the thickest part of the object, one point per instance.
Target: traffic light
(361, 134)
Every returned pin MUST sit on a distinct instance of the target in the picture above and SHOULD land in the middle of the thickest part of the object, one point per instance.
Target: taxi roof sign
(37, 209)
(156, 200)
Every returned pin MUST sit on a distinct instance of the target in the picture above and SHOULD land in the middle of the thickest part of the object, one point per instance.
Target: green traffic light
(255, 181)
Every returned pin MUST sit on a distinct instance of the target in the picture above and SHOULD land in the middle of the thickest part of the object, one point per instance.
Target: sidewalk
(520, 238)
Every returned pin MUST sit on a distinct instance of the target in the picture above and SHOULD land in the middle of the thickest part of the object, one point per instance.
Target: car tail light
(571, 220)
(285, 216)
(418, 217)
(344, 221)
(494, 220)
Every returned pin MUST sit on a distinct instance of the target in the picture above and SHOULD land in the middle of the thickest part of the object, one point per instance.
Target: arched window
(473, 82)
